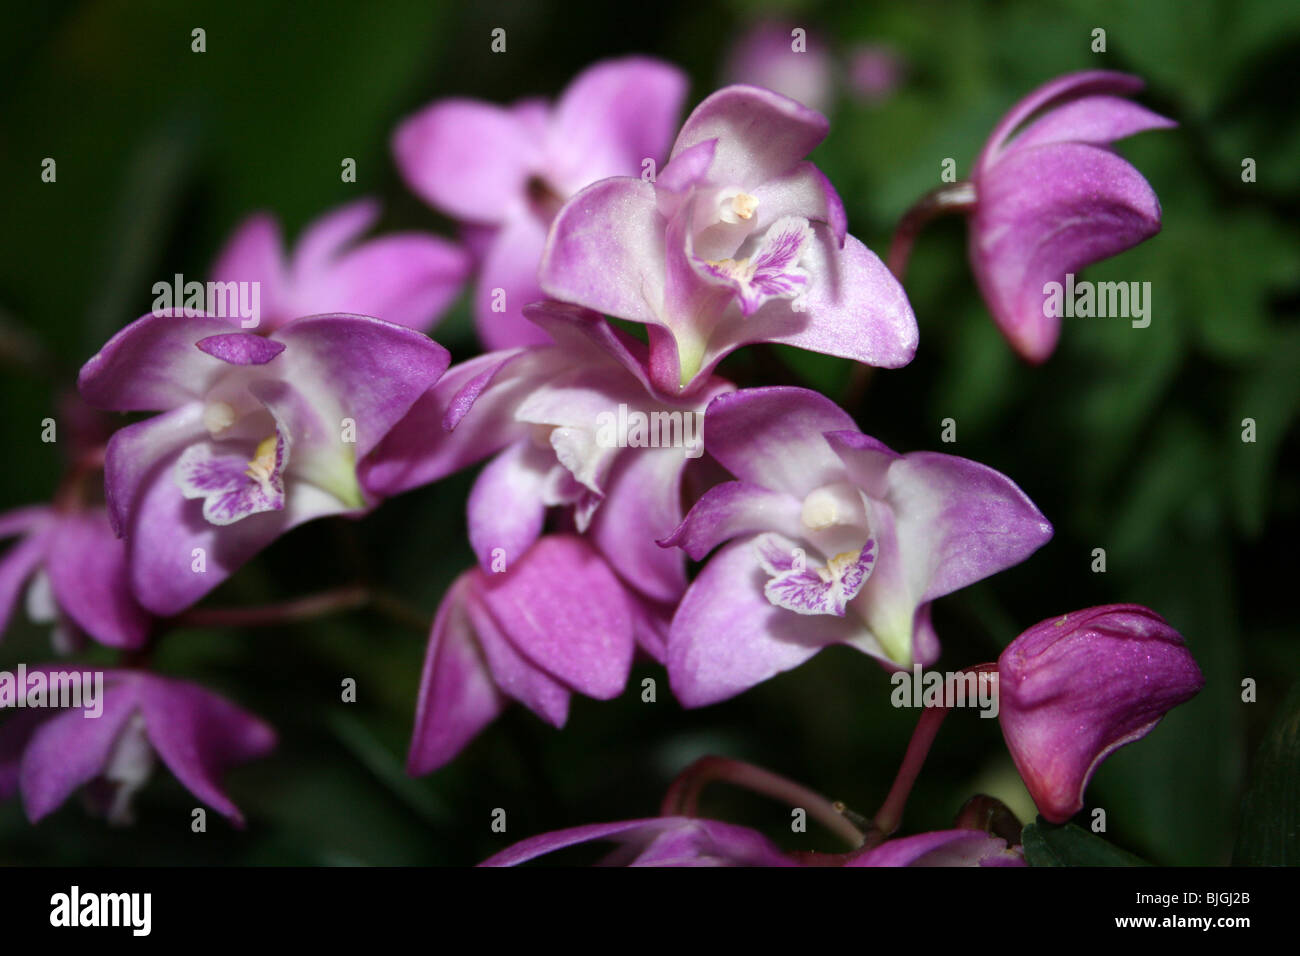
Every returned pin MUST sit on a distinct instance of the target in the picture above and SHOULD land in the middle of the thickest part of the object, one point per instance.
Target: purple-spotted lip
(234, 486)
(771, 272)
(804, 587)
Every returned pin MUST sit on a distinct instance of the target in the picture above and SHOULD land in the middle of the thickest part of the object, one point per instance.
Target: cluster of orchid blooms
(808, 532)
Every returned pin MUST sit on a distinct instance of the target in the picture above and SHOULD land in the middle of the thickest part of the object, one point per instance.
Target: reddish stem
(948, 199)
(682, 798)
(890, 815)
(298, 609)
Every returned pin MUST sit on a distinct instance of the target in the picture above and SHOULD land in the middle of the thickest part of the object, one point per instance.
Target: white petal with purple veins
(232, 486)
(804, 587)
(772, 271)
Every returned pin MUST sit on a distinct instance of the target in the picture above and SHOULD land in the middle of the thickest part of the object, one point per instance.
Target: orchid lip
(800, 585)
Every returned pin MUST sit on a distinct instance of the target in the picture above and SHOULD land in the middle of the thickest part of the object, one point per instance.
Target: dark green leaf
(1070, 845)
(1270, 811)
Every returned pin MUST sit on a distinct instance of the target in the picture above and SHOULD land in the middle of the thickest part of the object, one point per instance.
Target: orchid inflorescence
(619, 260)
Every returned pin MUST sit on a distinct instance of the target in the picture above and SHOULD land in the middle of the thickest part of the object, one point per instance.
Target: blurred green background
(1129, 440)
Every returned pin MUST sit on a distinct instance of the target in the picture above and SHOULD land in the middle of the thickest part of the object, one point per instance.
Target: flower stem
(300, 609)
(890, 815)
(682, 798)
(947, 199)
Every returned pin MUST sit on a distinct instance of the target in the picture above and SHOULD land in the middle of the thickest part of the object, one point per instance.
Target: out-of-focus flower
(691, 841)
(577, 424)
(77, 569)
(504, 171)
(785, 58)
(258, 434)
(831, 538)
(46, 754)
(875, 72)
(407, 278)
(1054, 197)
(1076, 688)
(68, 551)
(554, 622)
(739, 240)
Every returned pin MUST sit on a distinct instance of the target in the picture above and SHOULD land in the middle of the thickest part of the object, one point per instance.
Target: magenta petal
(17, 565)
(643, 504)
(470, 159)
(563, 608)
(942, 848)
(175, 555)
(506, 509)
(135, 452)
(324, 240)
(580, 331)
(696, 842)
(544, 843)
(508, 279)
(854, 308)
(350, 366)
(15, 732)
(1069, 86)
(726, 636)
(88, 573)
(23, 521)
(255, 254)
(613, 116)
(199, 736)
(760, 134)
(1045, 212)
(511, 671)
(461, 420)
(658, 841)
(650, 623)
(240, 348)
(408, 279)
(804, 191)
(688, 168)
(734, 508)
(1076, 688)
(152, 365)
(70, 749)
(956, 521)
(457, 696)
(772, 437)
(605, 251)
(1099, 120)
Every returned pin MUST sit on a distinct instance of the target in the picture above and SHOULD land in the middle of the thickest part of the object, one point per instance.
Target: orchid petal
(457, 696)
(562, 608)
(726, 636)
(760, 134)
(87, 568)
(470, 159)
(152, 364)
(1047, 211)
(612, 117)
(199, 736)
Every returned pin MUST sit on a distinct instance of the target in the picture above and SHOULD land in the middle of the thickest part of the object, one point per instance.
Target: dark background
(1127, 439)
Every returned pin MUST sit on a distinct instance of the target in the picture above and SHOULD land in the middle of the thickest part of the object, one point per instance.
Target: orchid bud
(1074, 689)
